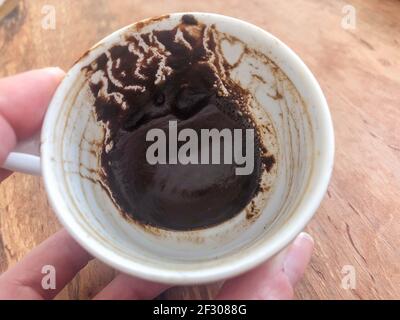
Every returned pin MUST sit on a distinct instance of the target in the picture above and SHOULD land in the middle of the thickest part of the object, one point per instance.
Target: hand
(23, 101)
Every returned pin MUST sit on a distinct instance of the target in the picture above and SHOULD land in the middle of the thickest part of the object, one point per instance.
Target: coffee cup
(291, 113)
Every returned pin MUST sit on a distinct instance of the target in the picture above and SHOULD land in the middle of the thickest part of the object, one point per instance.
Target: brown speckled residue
(268, 159)
(141, 24)
(206, 49)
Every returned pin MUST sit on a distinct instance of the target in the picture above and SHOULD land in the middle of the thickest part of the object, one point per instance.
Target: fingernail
(304, 236)
(297, 257)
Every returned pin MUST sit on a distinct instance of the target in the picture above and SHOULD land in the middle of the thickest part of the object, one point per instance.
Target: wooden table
(357, 224)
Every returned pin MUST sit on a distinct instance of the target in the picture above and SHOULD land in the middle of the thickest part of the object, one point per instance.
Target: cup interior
(286, 101)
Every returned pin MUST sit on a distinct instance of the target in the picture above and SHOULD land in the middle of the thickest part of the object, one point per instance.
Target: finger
(23, 101)
(24, 280)
(298, 257)
(274, 279)
(124, 287)
(24, 98)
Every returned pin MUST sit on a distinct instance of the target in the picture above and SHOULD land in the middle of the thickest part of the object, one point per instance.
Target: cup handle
(26, 157)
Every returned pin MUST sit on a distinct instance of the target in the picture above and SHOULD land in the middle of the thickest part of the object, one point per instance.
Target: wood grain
(359, 71)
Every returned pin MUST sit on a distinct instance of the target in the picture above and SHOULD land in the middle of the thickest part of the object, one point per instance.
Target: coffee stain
(259, 78)
(191, 29)
(269, 161)
(277, 96)
(138, 26)
(252, 210)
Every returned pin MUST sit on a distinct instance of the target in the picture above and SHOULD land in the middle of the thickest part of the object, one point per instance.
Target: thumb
(274, 279)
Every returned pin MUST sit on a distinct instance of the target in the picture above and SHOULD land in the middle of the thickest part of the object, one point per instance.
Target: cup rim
(226, 268)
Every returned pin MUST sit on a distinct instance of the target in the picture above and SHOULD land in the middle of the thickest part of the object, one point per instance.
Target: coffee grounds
(151, 79)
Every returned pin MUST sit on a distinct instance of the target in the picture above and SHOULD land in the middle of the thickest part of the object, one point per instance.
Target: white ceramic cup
(71, 139)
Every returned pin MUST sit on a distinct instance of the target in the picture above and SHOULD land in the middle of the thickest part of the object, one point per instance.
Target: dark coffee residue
(148, 81)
